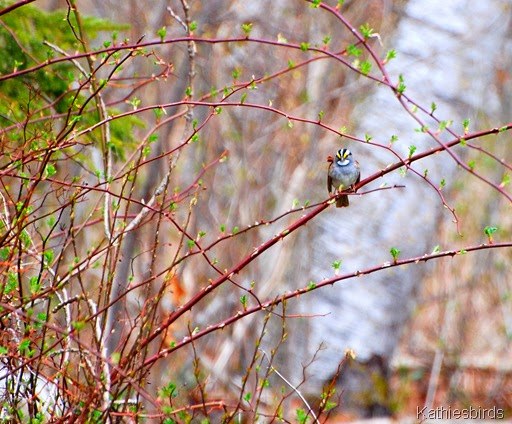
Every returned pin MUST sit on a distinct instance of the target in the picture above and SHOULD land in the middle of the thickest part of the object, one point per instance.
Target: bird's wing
(359, 173)
(329, 180)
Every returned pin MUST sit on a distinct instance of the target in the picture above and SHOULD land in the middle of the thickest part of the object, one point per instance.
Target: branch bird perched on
(343, 173)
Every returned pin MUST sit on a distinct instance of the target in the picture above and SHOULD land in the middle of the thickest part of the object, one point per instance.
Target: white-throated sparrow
(343, 173)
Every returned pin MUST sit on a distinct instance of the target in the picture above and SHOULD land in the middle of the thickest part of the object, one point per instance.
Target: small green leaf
(366, 30)
(191, 243)
(366, 67)
(243, 301)
(242, 99)
(305, 46)
(135, 102)
(505, 180)
(326, 40)
(235, 230)
(336, 265)
(291, 64)
(353, 50)
(394, 253)
(311, 285)
(401, 85)
(48, 256)
(471, 164)
(24, 344)
(115, 357)
(35, 285)
(236, 73)
(50, 170)
(78, 325)
(247, 28)
(465, 124)
(193, 26)
(390, 55)
(302, 417)
(436, 249)
(162, 32)
(489, 231)
(320, 115)
(442, 183)
(433, 108)
(412, 149)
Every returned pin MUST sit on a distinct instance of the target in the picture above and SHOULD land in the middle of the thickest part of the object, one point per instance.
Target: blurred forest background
(159, 202)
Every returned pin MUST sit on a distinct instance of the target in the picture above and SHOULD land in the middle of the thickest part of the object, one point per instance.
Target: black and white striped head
(343, 157)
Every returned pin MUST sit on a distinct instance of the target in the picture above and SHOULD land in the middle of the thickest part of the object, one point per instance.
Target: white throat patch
(344, 162)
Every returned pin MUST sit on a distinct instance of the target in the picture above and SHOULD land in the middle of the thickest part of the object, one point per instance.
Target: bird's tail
(342, 201)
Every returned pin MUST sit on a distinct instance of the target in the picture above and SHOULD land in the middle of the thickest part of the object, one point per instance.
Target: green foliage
(304, 46)
(391, 54)
(243, 301)
(401, 85)
(489, 231)
(336, 265)
(465, 125)
(31, 27)
(247, 28)
(302, 416)
(353, 50)
(161, 33)
(394, 253)
(366, 67)
(366, 30)
(34, 90)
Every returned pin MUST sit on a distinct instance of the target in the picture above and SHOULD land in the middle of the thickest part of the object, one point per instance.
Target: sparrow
(344, 173)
